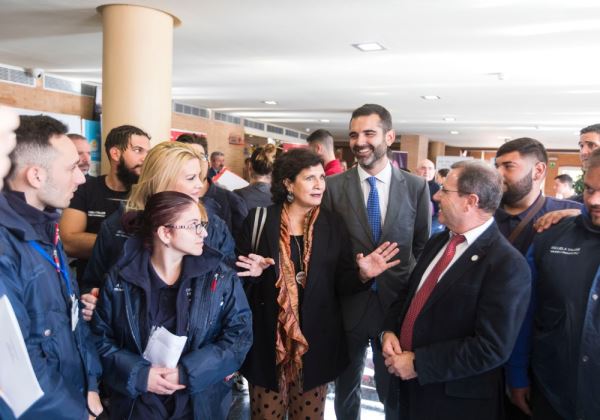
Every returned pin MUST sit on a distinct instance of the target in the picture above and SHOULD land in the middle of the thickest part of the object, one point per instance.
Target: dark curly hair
(288, 166)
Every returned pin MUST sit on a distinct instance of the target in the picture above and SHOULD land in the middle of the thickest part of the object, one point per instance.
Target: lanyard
(56, 259)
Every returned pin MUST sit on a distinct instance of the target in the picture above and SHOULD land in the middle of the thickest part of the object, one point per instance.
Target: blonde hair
(159, 172)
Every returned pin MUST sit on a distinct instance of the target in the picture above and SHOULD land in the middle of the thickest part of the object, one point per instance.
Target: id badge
(74, 312)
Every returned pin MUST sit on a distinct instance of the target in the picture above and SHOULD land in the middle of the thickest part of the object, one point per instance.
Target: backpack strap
(260, 217)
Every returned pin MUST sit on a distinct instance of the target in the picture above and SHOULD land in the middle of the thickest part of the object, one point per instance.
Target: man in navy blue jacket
(560, 335)
(34, 271)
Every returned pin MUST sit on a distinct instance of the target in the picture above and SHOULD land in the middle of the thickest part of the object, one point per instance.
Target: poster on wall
(92, 132)
(400, 159)
(73, 122)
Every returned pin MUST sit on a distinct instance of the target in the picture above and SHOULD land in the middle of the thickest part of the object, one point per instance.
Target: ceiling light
(307, 130)
(324, 121)
(454, 132)
(270, 102)
(369, 46)
(449, 119)
(430, 97)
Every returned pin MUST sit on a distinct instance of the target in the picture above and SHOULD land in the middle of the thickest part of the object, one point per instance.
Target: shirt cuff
(517, 377)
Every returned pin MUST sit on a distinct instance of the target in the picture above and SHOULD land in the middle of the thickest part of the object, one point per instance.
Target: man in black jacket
(562, 327)
(467, 299)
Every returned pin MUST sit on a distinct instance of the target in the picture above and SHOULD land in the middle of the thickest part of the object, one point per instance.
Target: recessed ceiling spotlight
(307, 130)
(454, 132)
(270, 102)
(431, 97)
(324, 121)
(369, 46)
(449, 119)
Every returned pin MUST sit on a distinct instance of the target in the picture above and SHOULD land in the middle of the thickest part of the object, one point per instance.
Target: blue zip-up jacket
(65, 362)
(560, 337)
(112, 236)
(219, 330)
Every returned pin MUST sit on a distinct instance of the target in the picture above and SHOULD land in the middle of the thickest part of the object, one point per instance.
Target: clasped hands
(164, 381)
(398, 362)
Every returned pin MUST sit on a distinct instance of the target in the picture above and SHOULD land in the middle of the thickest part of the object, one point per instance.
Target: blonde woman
(169, 166)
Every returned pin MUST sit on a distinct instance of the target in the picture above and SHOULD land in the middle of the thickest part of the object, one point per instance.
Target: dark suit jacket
(331, 273)
(466, 330)
(407, 222)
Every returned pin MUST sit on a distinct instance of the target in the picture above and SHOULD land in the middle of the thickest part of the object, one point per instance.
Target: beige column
(137, 61)
(436, 148)
(416, 146)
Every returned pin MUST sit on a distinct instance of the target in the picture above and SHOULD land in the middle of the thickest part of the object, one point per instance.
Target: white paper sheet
(164, 348)
(229, 180)
(19, 387)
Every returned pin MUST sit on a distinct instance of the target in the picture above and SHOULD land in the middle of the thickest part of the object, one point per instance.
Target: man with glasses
(468, 294)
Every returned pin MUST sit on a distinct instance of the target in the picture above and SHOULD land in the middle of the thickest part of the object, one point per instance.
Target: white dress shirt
(384, 179)
(470, 237)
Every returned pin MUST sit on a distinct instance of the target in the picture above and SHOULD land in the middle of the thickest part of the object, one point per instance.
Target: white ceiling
(232, 55)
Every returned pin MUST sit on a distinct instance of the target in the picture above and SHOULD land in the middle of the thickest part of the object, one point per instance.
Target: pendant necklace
(300, 275)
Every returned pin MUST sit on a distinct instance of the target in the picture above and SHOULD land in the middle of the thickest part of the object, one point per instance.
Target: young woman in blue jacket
(167, 278)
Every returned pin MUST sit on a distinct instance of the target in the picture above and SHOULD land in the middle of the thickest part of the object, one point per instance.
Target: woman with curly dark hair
(295, 273)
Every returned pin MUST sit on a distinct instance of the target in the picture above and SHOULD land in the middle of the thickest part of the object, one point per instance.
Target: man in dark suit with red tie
(468, 295)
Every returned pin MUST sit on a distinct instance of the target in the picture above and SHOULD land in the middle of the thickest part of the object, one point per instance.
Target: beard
(126, 175)
(517, 191)
(377, 153)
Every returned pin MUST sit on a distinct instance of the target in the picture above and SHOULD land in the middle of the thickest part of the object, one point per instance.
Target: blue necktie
(373, 212)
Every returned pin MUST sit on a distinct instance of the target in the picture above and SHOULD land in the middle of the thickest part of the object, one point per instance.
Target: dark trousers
(541, 408)
(347, 385)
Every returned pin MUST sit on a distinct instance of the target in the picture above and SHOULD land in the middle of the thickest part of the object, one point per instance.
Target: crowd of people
(477, 294)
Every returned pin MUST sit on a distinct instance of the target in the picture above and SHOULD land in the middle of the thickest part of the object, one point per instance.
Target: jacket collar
(26, 222)
(474, 255)
(585, 222)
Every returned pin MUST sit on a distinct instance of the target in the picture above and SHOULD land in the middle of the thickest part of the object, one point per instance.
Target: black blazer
(465, 332)
(332, 272)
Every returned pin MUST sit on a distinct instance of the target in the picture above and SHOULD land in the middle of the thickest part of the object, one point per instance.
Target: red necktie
(420, 298)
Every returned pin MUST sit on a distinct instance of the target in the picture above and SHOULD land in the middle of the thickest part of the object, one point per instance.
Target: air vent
(88, 90)
(221, 116)
(274, 129)
(291, 133)
(62, 85)
(16, 76)
(190, 110)
(254, 124)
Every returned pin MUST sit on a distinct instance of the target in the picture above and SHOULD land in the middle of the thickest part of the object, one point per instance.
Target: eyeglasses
(446, 191)
(199, 227)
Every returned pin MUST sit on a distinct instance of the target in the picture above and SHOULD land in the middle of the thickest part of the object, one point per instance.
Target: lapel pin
(474, 257)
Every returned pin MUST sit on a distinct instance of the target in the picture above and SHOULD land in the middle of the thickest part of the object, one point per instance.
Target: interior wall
(41, 99)
(217, 134)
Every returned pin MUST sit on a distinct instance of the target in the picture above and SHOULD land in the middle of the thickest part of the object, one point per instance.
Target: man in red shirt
(321, 142)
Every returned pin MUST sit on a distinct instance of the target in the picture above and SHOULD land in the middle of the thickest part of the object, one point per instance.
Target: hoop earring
(289, 197)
